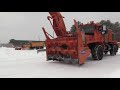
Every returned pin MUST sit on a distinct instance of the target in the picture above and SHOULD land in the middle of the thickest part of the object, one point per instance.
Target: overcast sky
(27, 25)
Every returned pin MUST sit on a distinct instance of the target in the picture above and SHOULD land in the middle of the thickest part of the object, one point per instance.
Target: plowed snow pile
(30, 64)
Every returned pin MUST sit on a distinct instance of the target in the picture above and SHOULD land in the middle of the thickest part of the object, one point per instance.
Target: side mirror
(104, 29)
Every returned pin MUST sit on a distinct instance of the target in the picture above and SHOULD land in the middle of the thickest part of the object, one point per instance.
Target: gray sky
(27, 25)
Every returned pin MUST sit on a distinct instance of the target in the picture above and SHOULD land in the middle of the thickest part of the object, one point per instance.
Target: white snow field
(29, 64)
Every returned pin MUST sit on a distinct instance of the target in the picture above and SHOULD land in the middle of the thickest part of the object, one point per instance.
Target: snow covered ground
(29, 64)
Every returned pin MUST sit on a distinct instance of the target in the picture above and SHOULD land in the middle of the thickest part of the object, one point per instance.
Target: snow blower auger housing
(75, 47)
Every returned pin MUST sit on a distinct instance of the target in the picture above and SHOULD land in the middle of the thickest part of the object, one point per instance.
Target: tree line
(115, 27)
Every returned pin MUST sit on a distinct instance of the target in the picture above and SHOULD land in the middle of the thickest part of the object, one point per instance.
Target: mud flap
(83, 52)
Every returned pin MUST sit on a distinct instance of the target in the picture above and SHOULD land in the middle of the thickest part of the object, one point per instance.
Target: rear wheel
(97, 52)
(113, 50)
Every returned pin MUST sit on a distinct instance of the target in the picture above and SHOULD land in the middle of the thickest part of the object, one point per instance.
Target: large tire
(113, 50)
(97, 52)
